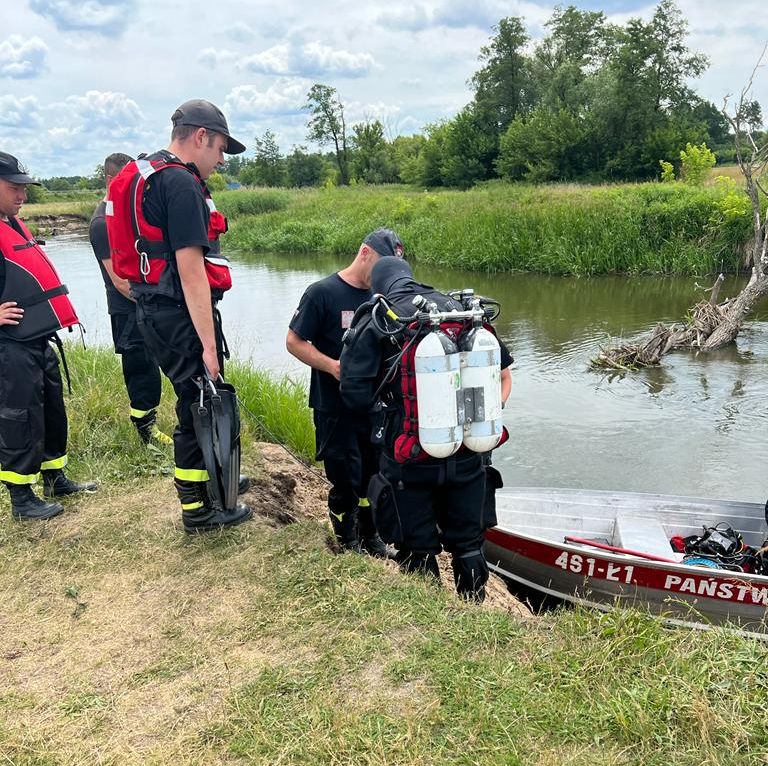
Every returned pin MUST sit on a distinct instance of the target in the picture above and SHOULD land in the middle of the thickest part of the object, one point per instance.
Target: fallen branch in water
(706, 316)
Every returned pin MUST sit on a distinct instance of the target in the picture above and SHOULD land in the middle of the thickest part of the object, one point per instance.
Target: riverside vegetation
(127, 642)
(552, 229)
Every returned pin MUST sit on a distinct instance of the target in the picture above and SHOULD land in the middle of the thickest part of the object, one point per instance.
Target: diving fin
(216, 420)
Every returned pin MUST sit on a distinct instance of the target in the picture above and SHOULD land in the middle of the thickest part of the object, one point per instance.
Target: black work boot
(200, 514)
(345, 530)
(243, 485)
(26, 505)
(56, 484)
(418, 563)
(149, 433)
(370, 542)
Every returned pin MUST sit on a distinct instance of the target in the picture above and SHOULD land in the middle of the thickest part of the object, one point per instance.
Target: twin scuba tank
(458, 387)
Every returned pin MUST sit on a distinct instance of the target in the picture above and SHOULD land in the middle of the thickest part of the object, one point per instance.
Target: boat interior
(634, 521)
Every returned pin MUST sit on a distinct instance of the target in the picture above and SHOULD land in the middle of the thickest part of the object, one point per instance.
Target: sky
(80, 79)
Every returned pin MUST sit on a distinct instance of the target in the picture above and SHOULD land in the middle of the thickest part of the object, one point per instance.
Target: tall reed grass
(555, 229)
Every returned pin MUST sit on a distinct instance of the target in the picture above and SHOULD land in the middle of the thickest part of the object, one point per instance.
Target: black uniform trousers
(172, 340)
(429, 505)
(140, 371)
(343, 443)
(33, 418)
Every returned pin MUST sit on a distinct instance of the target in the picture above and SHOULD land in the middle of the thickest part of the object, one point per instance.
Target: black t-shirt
(324, 313)
(175, 202)
(117, 303)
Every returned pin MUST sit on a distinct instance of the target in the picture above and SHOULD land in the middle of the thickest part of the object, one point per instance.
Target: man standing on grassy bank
(164, 235)
(33, 307)
(140, 372)
(342, 437)
(421, 503)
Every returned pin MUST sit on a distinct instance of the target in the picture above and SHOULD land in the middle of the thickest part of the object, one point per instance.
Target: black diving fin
(216, 419)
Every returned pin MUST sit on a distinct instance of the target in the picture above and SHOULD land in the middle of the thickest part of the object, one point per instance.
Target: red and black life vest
(407, 448)
(32, 282)
(140, 252)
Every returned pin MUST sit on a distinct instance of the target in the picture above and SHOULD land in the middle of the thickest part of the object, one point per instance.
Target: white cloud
(413, 18)
(212, 57)
(459, 14)
(99, 112)
(106, 17)
(22, 57)
(309, 60)
(275, 60)
(240, 32)
(20, 113)
(285, 97)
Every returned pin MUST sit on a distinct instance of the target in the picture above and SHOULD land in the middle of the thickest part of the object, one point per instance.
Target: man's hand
(10, 313)
(305, 352)
(211, 362)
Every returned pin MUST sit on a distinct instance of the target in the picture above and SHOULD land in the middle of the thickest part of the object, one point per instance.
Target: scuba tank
(481, 385)
(438, 383)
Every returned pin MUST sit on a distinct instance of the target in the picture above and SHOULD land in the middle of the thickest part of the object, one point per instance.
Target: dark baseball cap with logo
(200, 113)
(13, 171)
(385, 242)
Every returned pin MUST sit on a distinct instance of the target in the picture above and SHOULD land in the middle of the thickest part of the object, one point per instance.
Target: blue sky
(82, 78)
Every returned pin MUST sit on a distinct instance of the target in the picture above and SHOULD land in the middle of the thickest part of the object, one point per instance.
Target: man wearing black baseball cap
(342, 438)
(199, 113)
(177, 280)
(33, 307)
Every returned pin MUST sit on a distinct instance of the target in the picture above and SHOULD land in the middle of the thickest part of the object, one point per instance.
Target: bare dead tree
(752, 162)
(714, 324)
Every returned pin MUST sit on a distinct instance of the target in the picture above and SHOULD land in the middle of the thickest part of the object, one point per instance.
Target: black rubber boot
(149, 433)
(26, 505)
(419, 563)
(56, 484)
(470, 573)
(345, 530)
(243, 485)
(199, 514)
(370, 542)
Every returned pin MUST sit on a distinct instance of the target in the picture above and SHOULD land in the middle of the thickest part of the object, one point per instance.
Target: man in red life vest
(140, 371)
(33, 306)
(164, 236)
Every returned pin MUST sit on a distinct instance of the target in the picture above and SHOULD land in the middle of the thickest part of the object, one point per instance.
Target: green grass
(75, 205)
(553, 229)
(103, 441)
(126, 642)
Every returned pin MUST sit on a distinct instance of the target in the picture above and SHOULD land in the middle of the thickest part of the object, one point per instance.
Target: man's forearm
(197, 294)
(305, 352)
(123, 286)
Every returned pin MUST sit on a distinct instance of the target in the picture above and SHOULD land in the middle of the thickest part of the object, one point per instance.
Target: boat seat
(645, 535)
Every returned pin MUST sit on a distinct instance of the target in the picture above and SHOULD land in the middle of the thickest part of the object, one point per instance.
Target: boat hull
(692, 595)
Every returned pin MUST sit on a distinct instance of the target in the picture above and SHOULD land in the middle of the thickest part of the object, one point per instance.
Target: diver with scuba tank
(433, 376)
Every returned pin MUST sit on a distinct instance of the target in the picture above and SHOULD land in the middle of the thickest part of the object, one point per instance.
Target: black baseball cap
(385, 242)
(13, 171)
(203, 114)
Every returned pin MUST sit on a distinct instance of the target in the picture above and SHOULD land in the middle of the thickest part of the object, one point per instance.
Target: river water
(696, 426)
